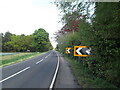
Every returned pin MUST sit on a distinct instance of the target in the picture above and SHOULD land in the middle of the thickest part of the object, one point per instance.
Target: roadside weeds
(85, 78)
(18, 58)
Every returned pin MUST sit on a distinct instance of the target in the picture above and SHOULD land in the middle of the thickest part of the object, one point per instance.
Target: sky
(26, 16)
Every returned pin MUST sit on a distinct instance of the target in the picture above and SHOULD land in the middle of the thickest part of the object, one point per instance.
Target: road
(38, 72)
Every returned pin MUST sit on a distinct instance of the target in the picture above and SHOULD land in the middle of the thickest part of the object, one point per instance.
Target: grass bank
(85, 78)
(11, 59)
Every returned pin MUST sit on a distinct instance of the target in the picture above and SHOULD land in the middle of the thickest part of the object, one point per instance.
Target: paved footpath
(65, 78)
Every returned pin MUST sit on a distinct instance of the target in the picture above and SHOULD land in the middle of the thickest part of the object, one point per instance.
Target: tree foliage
(41, 40)
(100, 31)
(19, 43)
(38, 41)
(6, 38)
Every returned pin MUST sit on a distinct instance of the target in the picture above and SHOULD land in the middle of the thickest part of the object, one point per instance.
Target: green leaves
(38, 41)
(19, 43)
(102, 34)
(41, 40)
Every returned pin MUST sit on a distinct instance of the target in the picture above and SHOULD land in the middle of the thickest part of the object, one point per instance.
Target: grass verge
(18, 58)
(85, 78)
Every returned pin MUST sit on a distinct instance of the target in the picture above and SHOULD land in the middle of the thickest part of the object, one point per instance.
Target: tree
(19, 43)
(6, 38)
(1, 36)
(41, 40)
(106, 24)
(100, 31)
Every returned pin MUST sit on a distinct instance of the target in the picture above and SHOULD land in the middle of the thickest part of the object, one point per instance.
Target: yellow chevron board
(68, 50)
(78, 52)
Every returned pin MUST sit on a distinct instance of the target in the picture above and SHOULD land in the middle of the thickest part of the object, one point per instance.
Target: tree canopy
(38, 41)
(99, 30)
(41, 40)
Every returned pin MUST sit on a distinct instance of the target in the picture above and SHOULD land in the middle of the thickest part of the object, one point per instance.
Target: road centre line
(20, 71)
(42, 59)
(14, 74)
(47, 55)
(39, 61)
(18, 63)
(55, 74)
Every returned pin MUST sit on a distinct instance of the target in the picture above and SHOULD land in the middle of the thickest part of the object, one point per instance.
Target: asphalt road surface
(39, 72)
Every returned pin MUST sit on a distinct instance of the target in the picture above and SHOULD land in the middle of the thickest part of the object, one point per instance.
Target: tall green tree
(6, 38)
(20, 43)
(41, 40)
(106, 24)
(1, 36)
(100, 31)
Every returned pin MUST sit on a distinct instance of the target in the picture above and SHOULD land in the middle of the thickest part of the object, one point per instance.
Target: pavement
(65, 77)
(38, 72)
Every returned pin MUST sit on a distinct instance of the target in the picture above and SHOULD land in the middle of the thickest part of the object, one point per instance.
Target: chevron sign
(68, 50)
(82, 51)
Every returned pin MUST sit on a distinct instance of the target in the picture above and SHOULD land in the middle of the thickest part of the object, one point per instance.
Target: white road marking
(14, 74)
(39, 61)
(47, 55)
(42, 59)
(20, 71)
(55, 74)
(20, 62)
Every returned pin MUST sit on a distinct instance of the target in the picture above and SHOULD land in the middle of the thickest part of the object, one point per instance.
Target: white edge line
(14, 74)
(55, 75)
(39, 61)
